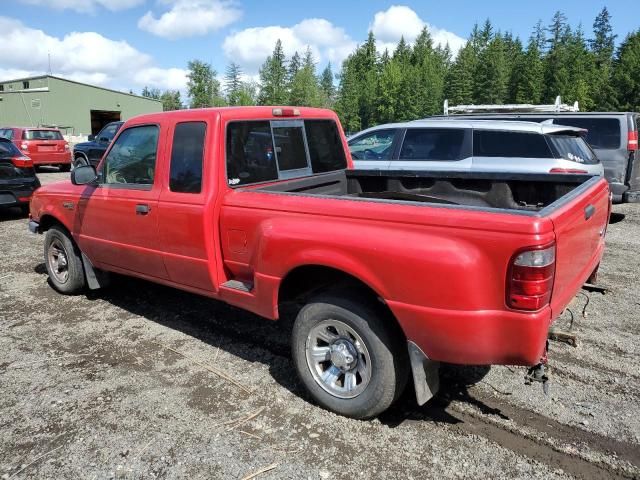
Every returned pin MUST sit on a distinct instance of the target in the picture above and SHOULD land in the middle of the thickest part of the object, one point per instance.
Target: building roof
(36, 77)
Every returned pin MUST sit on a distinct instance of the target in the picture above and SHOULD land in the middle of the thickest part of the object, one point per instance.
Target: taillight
(285, 112)
(567, 170)
(66, 147)
(632, 143)
(530, 278)
(22, 162)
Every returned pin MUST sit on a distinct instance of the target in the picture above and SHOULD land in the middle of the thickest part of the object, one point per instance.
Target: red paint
(443, 272)
(42, 152)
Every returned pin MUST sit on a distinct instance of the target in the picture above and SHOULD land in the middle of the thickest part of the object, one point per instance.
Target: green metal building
(76, 108)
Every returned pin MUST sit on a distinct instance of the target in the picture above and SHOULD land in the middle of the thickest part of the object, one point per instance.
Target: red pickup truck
(387, 273)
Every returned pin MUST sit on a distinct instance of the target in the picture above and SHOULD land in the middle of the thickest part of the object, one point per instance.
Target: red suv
(45, 146)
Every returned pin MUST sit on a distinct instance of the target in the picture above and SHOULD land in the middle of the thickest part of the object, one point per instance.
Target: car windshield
(570, 147)
(41, 135)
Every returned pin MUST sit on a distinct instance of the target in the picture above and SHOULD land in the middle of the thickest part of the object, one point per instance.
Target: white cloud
(400, 21)
(188, 18)
(83, 56)
(86, 6)
(251, 46)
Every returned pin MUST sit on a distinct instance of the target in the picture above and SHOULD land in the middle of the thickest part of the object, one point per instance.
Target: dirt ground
(143, 381)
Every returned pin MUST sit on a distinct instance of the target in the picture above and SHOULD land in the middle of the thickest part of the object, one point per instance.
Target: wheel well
(302, 282)
(48, 221)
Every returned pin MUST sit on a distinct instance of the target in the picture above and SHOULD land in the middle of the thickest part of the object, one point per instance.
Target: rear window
(301, 148)
(572, 148)
(446, 144)
(41, 135)
(8, 149)
(186, 157)
(6, 133)
(496, 143)
(603, 133)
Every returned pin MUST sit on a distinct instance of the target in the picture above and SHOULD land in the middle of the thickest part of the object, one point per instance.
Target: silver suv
(476, 146)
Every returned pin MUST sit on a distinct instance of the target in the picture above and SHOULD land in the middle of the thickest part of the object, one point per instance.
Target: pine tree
(348, 96)
(429, 69)
(529, 86)
(202, 85)
(292, 70)
(305, 89)
(492, 75)
(151, 93)
(460, 78)
(626, 73)
(273, 78)
(233, 83)
(171, 100)
(580, 72)
(556, 66)
(327, 86)
(602, 46)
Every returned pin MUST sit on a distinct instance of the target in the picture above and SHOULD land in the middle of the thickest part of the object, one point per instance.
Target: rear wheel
(347, 355)
(63, 261)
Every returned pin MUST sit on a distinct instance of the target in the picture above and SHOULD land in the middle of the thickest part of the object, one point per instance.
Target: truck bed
(523, 193)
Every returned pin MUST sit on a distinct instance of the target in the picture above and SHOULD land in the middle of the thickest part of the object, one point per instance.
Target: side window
(373, 146)
(107, 133)
(496, 143)
(250, 156)
(132, 158)
(326, 150)
(186, 157)
(444, 144)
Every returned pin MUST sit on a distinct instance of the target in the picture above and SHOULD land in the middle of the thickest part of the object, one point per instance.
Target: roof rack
(558, 106)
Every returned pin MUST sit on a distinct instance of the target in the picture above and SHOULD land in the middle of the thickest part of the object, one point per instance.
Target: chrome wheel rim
(338, 359)
(58, 261)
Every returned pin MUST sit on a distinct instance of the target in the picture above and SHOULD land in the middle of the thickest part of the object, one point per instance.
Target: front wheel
(348, 356)
(63, 261)
(79, 161)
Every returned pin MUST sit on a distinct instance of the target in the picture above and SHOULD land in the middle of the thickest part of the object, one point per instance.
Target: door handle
(142, 209)
(589, 210)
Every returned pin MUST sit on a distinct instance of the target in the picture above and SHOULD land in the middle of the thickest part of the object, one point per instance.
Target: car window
(250, 157)
(8, 150)
(602, 133)
(108, 132)
(445, 144)
(186, 157)
(499, 143)
(41, 135)
(373, 146)
(132, 158)
(290, 148)
(325, 146)
(6, 133)
(570, 147)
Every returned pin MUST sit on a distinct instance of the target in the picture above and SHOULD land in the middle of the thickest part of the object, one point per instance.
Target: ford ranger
(384, 273)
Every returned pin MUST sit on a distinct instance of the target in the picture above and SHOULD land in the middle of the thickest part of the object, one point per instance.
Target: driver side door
(118, 224)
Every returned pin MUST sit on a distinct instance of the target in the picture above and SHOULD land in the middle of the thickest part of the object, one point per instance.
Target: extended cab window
(373, 146)
(436, 144)
(186, 157)
(261, 151)
(496, 143)
(132, 158)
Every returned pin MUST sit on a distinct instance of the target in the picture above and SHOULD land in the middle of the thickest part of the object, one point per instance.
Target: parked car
(474, 146)
(612, 135)
(385, 273)
(90, 153)
(18, 178)
(45, 146)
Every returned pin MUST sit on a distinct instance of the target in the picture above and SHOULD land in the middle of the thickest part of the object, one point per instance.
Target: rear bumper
(476, 337)
(14, 198)
(53, 158)
(34, 227)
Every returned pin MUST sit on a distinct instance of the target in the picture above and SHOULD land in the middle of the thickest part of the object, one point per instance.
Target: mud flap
(426, 376)
(95, 278)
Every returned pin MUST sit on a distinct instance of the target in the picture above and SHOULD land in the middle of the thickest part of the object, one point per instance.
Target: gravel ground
(143, 381)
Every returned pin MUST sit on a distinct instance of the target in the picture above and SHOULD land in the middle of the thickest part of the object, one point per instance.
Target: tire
(63, 261)
(358, 330)
(79, 161)
(65, 167)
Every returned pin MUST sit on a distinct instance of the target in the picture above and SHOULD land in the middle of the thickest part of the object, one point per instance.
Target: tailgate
(579, 225)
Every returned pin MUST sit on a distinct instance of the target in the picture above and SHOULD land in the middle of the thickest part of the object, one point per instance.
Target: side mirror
(83, 175)
(91, 138)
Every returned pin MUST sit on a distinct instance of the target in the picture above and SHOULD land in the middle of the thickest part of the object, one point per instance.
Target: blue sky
(127, 44)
